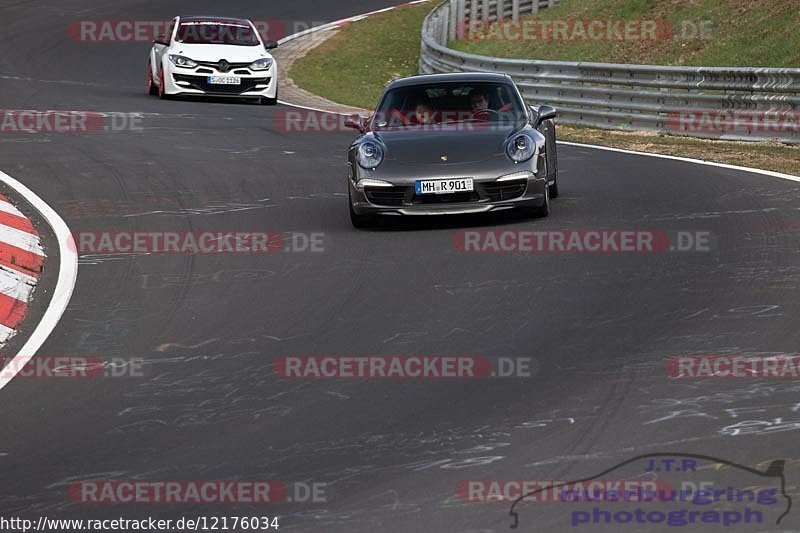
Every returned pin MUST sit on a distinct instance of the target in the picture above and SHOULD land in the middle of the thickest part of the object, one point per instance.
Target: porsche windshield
(447, 103)
(217, 33)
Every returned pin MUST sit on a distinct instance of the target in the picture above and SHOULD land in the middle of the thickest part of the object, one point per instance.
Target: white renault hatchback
(213, 56)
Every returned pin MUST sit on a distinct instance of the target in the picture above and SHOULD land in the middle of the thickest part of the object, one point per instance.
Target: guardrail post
(514, 9)
(485, 10)
(451, 20)
(473, 11)
(535, 7)
(461, 18)
(456, 21)
(444, 26)
(499, 8)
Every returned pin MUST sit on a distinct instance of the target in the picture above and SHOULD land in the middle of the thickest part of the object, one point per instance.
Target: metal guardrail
(731, 103)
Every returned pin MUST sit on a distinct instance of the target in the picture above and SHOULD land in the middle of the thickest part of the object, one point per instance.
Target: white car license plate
(443, 186)
(224, 80)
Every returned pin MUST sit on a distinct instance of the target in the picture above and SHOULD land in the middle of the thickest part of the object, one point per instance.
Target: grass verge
(755, 33)
(355, 64)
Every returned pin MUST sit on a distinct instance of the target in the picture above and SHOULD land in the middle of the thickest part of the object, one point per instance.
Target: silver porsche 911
(452, 144)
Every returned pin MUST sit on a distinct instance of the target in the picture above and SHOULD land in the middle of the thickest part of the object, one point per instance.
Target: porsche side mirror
(542, 113)
(356, 122)
(271, 45)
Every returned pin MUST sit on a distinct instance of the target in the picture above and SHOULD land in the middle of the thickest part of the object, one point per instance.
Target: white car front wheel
(152, 89)
(162, 92)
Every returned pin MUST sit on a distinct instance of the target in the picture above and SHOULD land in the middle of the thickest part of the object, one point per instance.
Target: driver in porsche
(479, 104)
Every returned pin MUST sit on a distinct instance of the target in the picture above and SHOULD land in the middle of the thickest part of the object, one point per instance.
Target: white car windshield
(209, 32)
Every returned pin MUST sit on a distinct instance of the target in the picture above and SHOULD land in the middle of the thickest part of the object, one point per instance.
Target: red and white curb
(21, 261)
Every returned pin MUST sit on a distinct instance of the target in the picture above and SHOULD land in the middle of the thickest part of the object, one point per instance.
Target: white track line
(686, 160)
(67, 276)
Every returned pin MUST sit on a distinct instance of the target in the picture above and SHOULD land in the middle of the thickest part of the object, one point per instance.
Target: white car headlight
(181, 61)
(520, 148)
(261, 64)
(369, 154)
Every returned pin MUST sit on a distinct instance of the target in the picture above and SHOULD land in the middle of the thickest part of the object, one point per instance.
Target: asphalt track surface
(392, 452)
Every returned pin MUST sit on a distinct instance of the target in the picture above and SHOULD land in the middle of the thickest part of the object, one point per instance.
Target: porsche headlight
(520, 148)
(367, 182)
(181, 61)
(261, 64)
(369, 154)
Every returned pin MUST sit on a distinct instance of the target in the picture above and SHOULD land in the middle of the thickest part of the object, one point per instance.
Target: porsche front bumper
(499, 193)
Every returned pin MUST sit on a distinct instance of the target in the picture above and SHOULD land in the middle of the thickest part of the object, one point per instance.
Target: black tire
(554, 189)
(152, 90)
(544, 210)
(552, 156)
(161, 89)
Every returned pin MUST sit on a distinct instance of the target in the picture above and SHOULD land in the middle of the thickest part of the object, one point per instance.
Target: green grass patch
(756, 33)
